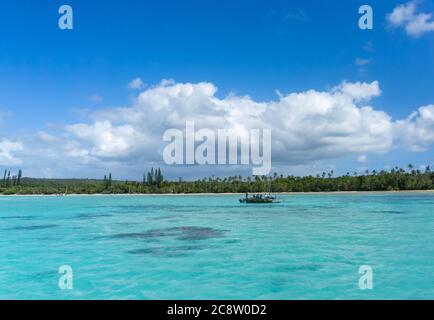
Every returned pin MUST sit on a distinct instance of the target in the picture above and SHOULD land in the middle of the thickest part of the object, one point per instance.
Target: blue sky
(48, 76)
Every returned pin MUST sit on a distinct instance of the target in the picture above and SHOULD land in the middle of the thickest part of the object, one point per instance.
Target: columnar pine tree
(159, 177)
(151, 177)
(20, 174)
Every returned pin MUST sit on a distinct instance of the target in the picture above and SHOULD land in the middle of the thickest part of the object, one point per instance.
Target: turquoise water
(211, 247)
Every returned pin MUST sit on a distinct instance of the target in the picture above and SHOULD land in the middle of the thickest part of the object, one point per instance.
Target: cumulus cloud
(406, 16)
(107, 141)
(7, 149)
(417, 131)
(306, 127)
(136, 83)
(359, 90)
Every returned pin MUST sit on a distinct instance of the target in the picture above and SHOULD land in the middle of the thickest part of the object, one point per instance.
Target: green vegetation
(154, 182)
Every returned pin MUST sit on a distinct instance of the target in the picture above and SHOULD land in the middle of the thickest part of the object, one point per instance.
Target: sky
(98, 98)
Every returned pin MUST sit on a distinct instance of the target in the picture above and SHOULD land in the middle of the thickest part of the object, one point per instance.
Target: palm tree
(410, 166)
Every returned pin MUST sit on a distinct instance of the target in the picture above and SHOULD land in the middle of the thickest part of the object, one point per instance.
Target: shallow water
(212, 247)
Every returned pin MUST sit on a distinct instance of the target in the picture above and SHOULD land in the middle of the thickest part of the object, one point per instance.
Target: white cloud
(308, 128)
(415, 24)
(136, 83)
(7, 149)
(362, 158)
(402, 14)
(362, 62)
(359, 90)
(107, 141)
(417, 131)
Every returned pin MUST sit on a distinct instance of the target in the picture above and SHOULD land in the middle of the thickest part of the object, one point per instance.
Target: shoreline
(217, 194)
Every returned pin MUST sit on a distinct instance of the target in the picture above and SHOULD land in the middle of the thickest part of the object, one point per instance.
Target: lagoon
(310, 246)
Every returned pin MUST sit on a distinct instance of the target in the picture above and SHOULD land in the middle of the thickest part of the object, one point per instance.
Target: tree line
(153, 181)
(14, 180)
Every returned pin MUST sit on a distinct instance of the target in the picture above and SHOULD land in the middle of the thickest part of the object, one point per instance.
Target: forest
(153, 182)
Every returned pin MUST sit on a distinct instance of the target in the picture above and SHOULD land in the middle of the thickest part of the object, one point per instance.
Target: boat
(259, 198)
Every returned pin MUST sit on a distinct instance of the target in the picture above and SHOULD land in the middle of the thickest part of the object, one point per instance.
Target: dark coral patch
(180, 233)
(40, 227)
(174, 251)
